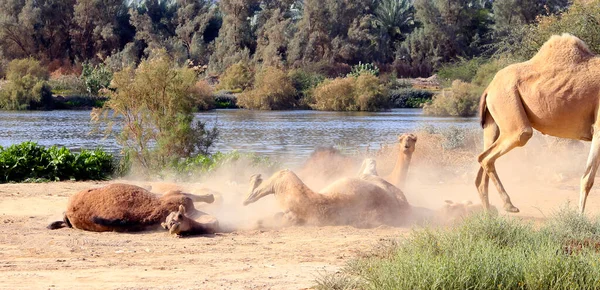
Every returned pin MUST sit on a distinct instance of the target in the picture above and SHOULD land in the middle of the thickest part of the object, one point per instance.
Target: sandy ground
(32, 257)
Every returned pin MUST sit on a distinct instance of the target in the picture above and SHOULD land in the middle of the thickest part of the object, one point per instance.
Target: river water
(281, 134)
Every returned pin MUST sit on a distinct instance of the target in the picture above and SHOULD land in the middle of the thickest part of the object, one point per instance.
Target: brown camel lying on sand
(348, 201)
(123, 207)
(178, 223)
(557, 92)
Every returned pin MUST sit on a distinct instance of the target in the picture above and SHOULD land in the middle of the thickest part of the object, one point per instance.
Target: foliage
(204, 96)
(464, 70)
(273, 90)
(364, 93)
(364, 68)
(203, 164)
(29, 161)
(462, 100)
(409, 98)
(487, 71)
(154, 105)
(96, 77)
(304, 82)
(236, 77)
(225, 100)
(67, 85)
(27, 86)
(484, 252)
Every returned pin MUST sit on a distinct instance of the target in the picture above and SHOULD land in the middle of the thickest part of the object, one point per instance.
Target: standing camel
(557, 92)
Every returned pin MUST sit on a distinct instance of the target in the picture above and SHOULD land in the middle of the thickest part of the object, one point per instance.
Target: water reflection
(285, 134)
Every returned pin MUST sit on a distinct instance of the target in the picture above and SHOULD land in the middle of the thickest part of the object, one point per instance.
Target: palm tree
(395, 17)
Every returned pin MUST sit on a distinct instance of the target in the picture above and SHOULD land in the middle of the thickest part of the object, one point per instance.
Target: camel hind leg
(490, 135)
(591, 167)
(514, 131)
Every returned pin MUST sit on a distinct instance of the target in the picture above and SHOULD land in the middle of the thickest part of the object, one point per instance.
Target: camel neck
(398, 175)
(295, 186)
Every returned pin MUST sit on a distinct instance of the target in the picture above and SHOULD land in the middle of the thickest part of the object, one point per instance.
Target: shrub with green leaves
(26, 86)
(304, 82)
(464, 69)
(462, 100)
(409, 98)
(484, 252)
(237, 77)
(30, 162)
(203, 164)
(273, 90)
(364, 68)
(68, 85)
(364, 93)
(96, 77)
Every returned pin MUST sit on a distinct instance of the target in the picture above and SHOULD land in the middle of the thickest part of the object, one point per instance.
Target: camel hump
(562, 49)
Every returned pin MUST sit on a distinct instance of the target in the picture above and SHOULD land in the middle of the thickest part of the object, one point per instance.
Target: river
(281, 134)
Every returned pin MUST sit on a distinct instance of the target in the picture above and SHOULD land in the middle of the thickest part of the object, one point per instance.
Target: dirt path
(32, 257)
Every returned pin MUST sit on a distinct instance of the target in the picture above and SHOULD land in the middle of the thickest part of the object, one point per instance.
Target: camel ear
(181, 209)
(401, 137)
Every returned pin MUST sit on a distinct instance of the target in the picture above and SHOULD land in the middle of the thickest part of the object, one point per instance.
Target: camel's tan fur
(178, 223)
(123, 207)
(557, 92)
(351, 201)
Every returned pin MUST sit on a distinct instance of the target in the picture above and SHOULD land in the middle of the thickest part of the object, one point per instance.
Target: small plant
(96, 77)
(364, 68)
(29, 161)
(225, 100)
(463, 69)
(409, 98)
(364, 93)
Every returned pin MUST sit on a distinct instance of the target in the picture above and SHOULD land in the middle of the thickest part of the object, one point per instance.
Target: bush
(96, 77)
(364, 68)
(203, 93)
(364, 93)
(154, 106)
(484, 252)
(202, 164)
(488, 70)
(409, 98)
(30, 162)
(304, 82)
(463, 69)
(225, 100)
(272, 90)
(67, 85)
(26, 87)
(236, 77)
(462, 100)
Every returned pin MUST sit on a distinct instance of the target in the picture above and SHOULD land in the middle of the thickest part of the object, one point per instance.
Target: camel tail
(482, 108)
(65, 223)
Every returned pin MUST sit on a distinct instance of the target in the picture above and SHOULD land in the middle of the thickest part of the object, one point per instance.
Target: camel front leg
(587, 180)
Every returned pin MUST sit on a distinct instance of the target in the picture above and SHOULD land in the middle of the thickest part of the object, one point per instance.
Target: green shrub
(409, 98)
(487, 71)
(462, 100)
(96, 77)
(26, 86)
(203, 94)
(304, 82)
(154, 106)
(203, 164)
(225, 100)
(236, 77)
(68, 85)
(29, 161)
(364, 68)
(463, 69)
(79, 102)
(483, 252)
(364, 93)
(273, 90)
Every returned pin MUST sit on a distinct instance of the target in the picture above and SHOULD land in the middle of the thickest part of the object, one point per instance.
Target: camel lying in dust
(328, 164)
(123, 207)
(178, 223)
(348, 201)
(557, 92)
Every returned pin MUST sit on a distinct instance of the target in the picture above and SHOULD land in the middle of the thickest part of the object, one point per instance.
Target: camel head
(177, 222)
(407, 142)
(369, 166)
(256, 193)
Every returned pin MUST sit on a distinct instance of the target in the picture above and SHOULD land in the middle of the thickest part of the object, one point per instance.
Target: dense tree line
(411, 38)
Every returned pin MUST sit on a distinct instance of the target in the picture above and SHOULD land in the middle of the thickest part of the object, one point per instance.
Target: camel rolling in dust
(178, 223)
(123, 207)
(557, 92)
(348, 201)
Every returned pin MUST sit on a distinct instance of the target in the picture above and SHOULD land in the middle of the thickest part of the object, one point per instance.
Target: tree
(396, 19)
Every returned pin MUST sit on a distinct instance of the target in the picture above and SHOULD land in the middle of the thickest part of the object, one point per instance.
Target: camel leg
(503, 145)
(490, 135)
(587, 180)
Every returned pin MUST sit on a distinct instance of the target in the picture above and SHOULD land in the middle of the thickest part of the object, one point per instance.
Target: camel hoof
(511, 208)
